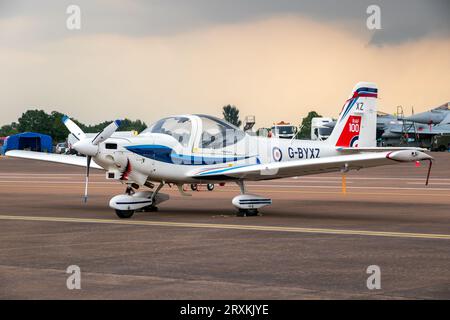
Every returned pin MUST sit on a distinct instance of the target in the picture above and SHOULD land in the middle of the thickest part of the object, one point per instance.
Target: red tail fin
(350, 134)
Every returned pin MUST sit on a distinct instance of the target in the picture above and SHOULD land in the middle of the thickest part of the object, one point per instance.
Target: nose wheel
(124, 214)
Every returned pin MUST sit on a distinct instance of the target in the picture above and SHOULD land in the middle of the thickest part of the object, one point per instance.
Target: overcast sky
(273, 59)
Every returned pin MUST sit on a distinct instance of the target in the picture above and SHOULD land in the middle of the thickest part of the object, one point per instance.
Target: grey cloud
(402, 20)
(410, 20)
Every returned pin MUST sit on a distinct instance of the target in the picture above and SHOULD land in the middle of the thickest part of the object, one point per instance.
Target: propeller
(88, 146)
(88, 166)
(429, 172)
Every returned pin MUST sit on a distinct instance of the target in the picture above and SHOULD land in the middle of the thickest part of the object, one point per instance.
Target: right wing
(51, 157)
(276, 170)
(376, 149)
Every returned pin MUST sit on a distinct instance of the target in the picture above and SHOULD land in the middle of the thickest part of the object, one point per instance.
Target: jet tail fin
(357, 123)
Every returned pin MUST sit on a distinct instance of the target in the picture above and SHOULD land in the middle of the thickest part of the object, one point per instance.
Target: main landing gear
(209, 186)
(248, 204)
(247, 212)
(130, 202)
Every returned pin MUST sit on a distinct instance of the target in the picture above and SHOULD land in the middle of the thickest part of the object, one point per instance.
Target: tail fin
(357, 123)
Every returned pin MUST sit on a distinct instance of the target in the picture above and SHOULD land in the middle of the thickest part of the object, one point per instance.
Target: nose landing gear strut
(130, 202)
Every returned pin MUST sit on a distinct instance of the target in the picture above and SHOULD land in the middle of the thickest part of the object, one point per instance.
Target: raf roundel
(354, 142)
(276, 153)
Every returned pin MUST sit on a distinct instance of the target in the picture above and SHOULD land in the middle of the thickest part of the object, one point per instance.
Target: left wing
(275, 170)
(51, 157)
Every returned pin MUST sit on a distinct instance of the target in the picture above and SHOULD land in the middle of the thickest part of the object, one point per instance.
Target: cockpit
(179, 128)
(200, 131)
(217, 133)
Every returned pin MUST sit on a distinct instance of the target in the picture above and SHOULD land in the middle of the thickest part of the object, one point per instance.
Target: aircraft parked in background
(438, 116)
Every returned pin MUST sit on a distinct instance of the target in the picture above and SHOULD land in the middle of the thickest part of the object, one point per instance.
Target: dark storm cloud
(402, 20)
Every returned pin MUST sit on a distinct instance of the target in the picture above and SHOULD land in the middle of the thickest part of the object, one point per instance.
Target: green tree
(305, 132)
(8, 129)
(40, 121)
(129, 125)
(52, 125)
(126, 125)
(35, 121)
(95, 127)
(231, 114)
(58, 130)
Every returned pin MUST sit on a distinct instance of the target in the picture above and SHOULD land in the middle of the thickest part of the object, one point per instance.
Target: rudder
(357, 123)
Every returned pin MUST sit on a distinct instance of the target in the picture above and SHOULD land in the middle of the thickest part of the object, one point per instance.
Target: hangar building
(28, 141)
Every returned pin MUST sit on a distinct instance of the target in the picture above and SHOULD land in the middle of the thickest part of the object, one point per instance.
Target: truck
(61, 148)
(440, 142)
(283, 130)
(319, 129)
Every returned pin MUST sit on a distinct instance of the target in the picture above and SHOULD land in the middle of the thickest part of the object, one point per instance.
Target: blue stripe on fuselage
(168, 155)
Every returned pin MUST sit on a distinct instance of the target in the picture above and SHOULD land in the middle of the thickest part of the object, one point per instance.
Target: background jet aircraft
(204, 149)
(439, 115)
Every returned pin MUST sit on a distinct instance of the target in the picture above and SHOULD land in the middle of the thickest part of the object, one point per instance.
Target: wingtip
(65, 118)
(118, 122)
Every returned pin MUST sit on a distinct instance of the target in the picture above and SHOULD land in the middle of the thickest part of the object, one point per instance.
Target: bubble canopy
(214, 132)
(179, 128)
(217, 133)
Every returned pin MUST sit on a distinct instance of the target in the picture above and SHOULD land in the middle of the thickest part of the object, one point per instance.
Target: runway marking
(359, 177)
(232, 227)
(49, 174)
(55, 182)
(335, 187)
(248, 185)
(286, 180)
(231, 190)
(434, 183)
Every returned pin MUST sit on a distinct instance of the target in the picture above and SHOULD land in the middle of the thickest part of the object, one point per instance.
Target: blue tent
(28, 141)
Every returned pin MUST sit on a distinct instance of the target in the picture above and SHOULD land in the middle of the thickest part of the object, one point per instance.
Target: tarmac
(313, 242)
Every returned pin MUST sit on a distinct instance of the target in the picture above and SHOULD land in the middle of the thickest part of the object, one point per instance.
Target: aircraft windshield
(325, 131)
(218, 133)
(178, 127)
(285, 130)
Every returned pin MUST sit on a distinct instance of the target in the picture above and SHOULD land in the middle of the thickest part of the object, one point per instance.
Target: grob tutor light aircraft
(203, 149)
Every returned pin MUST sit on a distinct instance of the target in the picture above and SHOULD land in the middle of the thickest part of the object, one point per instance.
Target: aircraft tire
(124, 214)
(247, 212)
(210, 186)
(194, 187)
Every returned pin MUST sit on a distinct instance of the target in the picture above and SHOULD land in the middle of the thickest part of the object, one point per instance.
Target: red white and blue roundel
(354, 142)
(276, 154)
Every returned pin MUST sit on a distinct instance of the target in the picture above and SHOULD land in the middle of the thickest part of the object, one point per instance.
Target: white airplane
(187, 149)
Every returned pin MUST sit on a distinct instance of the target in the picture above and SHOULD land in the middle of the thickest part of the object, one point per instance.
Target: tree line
(52, 125)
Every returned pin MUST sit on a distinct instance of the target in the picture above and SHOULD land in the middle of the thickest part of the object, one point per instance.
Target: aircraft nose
(86, 147)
